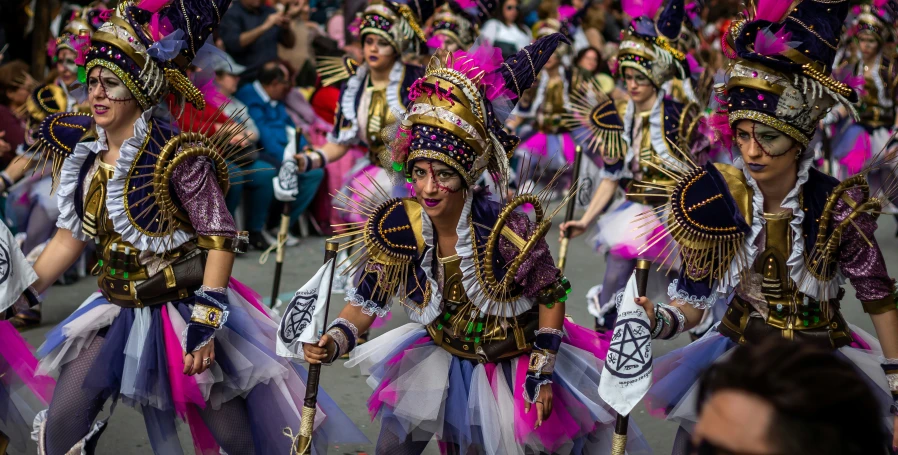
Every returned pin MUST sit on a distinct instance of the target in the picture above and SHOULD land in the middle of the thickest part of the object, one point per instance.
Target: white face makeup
(771, 142)
(378, 51)
(114, 89)
(427, 173)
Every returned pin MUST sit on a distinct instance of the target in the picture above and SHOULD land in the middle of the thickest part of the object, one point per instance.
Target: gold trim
(171, 281)
(773, 122)
(755, 83)
(443, 158)
(213, 242)
(414, 210)
(513, 237)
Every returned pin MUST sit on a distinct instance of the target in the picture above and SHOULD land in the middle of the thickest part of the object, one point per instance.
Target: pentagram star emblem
(630, 353)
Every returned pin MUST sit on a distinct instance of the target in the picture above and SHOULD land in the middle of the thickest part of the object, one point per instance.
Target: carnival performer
(375, 91)
(170, 332)
(538, 117)
(875, 75)
(456, 24)
(646, 140)
(23, 393)
(489, 364)
(771, 232)
(31, 206)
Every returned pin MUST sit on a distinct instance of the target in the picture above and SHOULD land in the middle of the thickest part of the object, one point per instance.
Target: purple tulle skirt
(674, 393)
(142, 360)
(421, 390)
(23, 393)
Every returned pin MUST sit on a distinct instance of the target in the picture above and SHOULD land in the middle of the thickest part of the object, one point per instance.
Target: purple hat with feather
(781, 74)
(646, 45)
(458, 108)
(150, 44)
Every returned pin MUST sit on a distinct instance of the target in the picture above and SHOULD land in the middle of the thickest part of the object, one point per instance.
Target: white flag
(627, 375)
(304, 319)
(286, 183)
(15, 272)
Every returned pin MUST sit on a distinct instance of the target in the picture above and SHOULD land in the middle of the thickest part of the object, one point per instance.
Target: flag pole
(571, 205)
(282, 240)
(619, 440)
(304, 440)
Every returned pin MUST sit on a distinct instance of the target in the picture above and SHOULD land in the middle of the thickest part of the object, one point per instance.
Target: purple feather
(769, 43)
(168, 47)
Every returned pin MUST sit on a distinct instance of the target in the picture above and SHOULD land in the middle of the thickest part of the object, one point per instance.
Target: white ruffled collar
(656, 130)
(798, 272)
(464, 248)
(355, 83)
(115, 190)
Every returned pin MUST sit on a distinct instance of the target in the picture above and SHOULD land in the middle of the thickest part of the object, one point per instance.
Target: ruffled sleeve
(862, 262)
(371, 293)
(197, 188)
(67, 192)
(538, 270)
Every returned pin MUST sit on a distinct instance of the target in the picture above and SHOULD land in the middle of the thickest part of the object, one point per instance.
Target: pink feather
(879, 4)
(51, 47)
(767, 43)
(159, 28)
(152, 5)
(436, 41)
(858, 155)
(637, 8)
(694, 67)
(466, 4)
(772, 10)
(213, 97)
(847, 77)
(485, 61)
(81, 44)
(719, 124)
(566, 12)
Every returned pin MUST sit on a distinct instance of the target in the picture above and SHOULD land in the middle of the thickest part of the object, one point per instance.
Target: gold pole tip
(331, 245)
(643, 264)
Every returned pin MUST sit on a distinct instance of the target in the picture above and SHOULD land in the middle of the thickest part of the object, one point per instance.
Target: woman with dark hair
(170, 332)
(506, 30)
(589, 60)
(783, 397)
(770, 234)
(489, 364)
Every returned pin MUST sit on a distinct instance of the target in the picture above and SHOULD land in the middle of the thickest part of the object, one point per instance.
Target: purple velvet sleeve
(197, 189)
(860, 261)
(538, 270)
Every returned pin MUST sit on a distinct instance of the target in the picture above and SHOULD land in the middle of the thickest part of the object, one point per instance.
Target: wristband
(532, 385)
(890, 368)
(6, 181)
(322, 158)
(542, 363)
(345, 335)
(209, 314)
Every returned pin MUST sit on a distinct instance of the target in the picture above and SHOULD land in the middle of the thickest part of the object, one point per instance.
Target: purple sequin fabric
(197, 189)
(538, 270)
(859, 261)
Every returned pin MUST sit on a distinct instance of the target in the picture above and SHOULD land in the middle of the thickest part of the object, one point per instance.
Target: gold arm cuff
(214, 242)
(880, 306)
(206, 315)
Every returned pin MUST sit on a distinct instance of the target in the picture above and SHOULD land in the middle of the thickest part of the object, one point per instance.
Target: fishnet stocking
(73, 409)
(389, 443)
(230, 426)
(681, 442)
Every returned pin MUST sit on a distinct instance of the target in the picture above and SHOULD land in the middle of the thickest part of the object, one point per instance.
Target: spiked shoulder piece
(596, 123)
(56, 137)
(334, 70)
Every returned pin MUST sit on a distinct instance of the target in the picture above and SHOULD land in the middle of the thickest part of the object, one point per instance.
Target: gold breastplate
(464, 331)
(789, 312)
(379, 115)
(649, 164)
(553, 108)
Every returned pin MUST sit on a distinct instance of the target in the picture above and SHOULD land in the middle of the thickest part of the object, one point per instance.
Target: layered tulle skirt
(628, 231)
(141, 360)
(23, 393)
(674, 393)
(421, 390)
(555, 150)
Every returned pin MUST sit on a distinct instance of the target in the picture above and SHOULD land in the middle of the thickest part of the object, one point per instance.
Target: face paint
(113, 87)
(770, 140)
(445, 178)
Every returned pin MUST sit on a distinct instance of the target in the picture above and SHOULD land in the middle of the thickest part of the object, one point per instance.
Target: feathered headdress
(458, 108)
(647, 46)
(149, 46)
(782, 64)
(398, 23)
